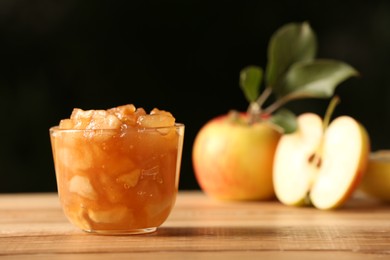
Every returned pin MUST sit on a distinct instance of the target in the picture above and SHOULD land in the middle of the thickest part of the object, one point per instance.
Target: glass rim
(138, 128)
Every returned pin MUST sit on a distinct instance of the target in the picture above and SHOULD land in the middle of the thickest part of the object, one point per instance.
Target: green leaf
(286, 120)
(291, 43)
(250, 82)
(317, 78)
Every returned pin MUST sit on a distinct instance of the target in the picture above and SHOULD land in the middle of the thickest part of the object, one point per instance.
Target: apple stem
(255, 108)
(329, 111)
(254, 112)
(316, 158)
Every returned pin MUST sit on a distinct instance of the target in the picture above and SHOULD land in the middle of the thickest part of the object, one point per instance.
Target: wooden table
(32, 226)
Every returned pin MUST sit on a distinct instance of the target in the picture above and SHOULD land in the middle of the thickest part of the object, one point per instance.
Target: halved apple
(318, 164)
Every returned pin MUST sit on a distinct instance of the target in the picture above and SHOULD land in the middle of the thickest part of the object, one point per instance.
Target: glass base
(137, 231)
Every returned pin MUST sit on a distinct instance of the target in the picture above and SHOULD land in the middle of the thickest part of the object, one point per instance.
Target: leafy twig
(292, 73)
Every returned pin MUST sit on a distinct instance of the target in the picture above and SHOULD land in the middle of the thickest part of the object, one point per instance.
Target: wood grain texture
(33, 226)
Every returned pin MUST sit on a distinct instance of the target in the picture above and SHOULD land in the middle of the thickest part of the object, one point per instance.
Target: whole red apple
(233, 160)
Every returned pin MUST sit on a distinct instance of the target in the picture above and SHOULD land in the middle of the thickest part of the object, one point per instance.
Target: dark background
(181, 56)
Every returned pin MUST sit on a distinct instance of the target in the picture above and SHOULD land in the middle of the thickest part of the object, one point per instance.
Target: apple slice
(318, 164)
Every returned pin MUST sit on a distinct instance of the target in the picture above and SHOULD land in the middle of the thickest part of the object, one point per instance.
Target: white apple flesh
(323, 167)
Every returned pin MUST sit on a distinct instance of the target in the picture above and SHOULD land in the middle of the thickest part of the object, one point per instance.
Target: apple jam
(117, 170)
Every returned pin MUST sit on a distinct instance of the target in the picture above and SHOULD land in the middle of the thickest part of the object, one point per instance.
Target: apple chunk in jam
(117, 170)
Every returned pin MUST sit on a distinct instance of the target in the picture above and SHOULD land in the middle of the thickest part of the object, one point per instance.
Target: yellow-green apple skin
(233, 161)
(376, 180)
(321, 166)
